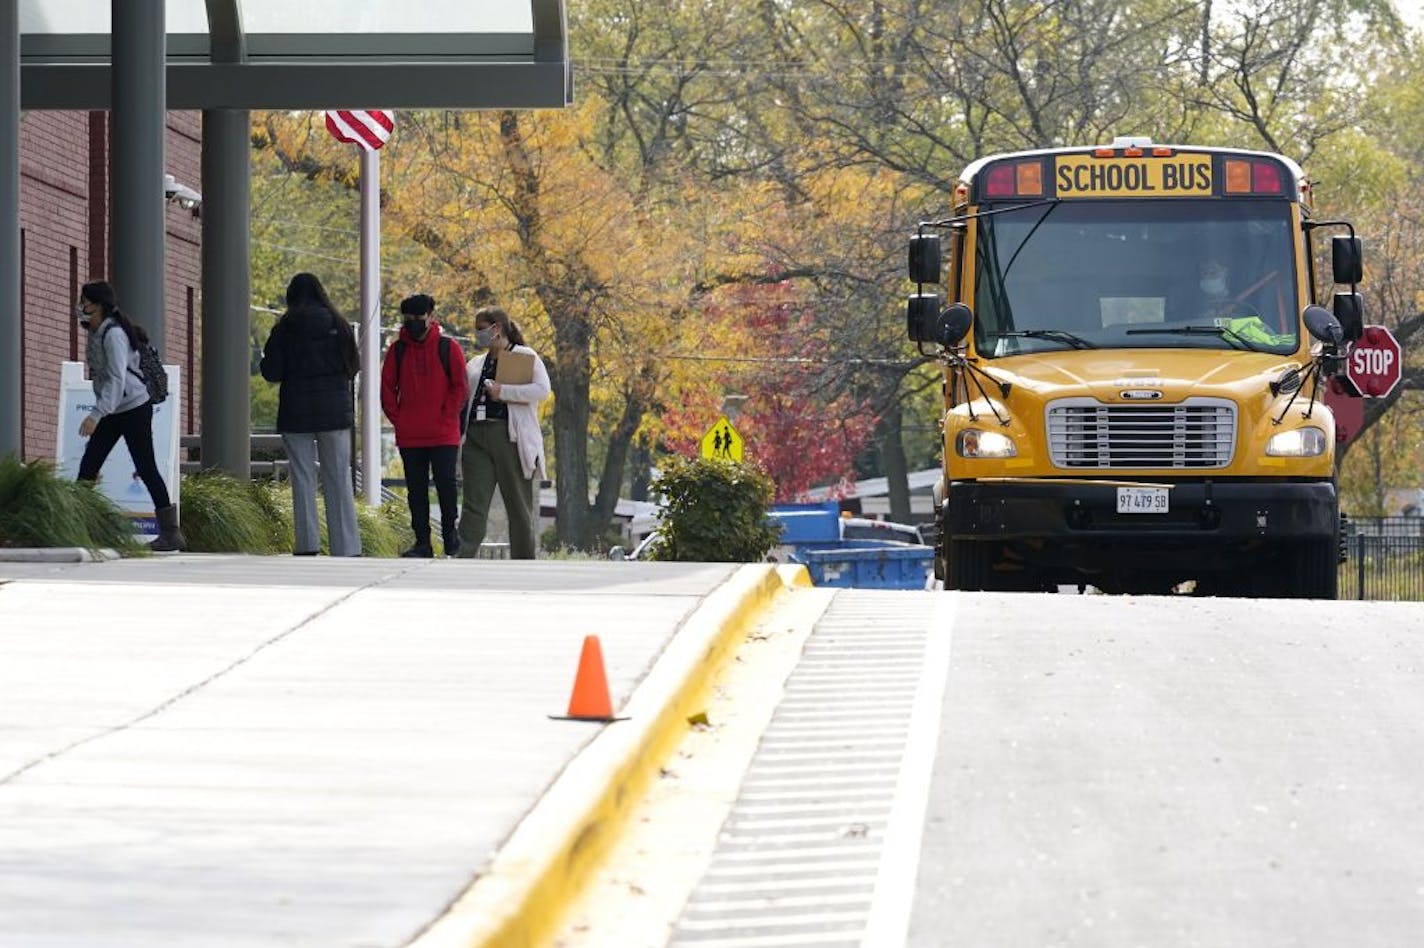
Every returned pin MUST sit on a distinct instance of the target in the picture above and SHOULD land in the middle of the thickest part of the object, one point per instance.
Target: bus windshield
(1185, 273)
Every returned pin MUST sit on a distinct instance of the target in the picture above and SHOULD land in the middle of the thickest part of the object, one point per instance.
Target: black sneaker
(452, 545)
(421, 551)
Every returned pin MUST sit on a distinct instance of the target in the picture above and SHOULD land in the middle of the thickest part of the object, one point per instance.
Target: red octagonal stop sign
(1376, 363)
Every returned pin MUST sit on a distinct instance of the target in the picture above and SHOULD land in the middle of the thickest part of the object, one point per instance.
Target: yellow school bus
(1134, 356)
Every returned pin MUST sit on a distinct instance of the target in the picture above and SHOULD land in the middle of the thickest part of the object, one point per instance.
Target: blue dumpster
(808, 523)
(867, 566)
(819, 537)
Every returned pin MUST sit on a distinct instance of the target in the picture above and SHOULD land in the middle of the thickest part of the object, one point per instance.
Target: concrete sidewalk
(210, 750)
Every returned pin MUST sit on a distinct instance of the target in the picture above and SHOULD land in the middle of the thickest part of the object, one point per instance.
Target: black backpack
(150, 368)
(443, 345)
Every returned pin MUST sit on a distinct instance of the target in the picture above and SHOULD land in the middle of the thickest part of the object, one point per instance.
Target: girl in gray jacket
(121, 405)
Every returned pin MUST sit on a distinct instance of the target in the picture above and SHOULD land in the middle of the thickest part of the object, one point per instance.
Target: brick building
(64, 243)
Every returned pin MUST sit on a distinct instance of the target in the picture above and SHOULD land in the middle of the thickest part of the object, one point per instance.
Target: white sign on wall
(117, 479)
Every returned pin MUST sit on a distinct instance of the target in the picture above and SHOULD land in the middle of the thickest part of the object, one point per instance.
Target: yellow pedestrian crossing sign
(722, 441)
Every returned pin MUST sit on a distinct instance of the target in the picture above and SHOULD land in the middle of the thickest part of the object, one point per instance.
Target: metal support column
(370, 327)
(12, 438)
(136, 230)
(226, 380)
(225, 402)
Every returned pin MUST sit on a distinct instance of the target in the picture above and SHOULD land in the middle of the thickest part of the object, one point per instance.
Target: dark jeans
(419, 462)
(135, 426)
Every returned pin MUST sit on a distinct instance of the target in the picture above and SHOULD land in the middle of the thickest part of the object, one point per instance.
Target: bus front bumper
(1087, 511)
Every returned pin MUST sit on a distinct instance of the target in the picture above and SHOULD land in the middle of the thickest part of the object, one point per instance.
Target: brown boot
(170, 537)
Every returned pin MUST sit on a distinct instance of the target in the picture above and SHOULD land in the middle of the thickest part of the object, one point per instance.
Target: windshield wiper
(1056, 335)
(1230, 335)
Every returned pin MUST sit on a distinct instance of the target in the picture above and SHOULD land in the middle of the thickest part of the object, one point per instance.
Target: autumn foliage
(723, 210)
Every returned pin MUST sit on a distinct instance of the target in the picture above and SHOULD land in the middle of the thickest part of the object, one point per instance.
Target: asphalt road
(1167, 772)
(968, 769)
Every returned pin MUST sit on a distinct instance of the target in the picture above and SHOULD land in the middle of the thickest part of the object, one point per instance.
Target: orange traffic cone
(590, 700)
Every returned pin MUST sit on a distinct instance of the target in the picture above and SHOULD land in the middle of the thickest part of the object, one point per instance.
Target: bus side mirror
(924, 258)
(920, 313)
(1347, 260)
(954, 324)
(1350, 311)
(1323, 325)
(926, 322)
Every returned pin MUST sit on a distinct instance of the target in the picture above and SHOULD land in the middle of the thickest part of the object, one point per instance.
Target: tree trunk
(610, 482)
(569, 379)
(640, 477)
(892, 454)
(571, 450)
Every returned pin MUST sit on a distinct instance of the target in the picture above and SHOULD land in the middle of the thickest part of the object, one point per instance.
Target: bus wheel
(1315, 572)
(970, 565)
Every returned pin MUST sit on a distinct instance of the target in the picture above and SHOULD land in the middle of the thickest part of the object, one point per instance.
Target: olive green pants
(491, 460)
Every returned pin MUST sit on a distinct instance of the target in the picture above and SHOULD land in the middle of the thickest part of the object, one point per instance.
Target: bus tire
(970, 565)
(1315, 569)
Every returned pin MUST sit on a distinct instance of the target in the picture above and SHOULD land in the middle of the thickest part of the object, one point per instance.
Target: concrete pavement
(213, 750)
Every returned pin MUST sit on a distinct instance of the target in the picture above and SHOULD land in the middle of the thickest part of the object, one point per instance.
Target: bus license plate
(1142, 500)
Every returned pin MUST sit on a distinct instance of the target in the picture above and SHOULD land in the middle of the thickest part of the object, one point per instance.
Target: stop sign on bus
(1376, 363)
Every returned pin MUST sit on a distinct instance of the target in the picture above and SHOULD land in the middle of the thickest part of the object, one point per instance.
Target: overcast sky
(1412, 11)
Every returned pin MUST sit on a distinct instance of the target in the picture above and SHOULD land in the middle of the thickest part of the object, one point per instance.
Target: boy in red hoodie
(423, 391)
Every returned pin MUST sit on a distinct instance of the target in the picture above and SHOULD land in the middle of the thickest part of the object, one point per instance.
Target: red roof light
(1265, 178)
(1000, 182)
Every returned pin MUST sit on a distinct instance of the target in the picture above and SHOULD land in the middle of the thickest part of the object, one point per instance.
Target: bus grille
(1197, 433)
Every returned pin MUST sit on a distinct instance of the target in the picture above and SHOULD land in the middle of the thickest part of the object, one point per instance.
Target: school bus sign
(1179, 175)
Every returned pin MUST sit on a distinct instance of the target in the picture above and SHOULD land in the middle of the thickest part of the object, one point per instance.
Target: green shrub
(40, 509)
(550, 545)
(224, 515)
(107, 526)
(568, 553)
(714, 512)
(221, 514)
(275, 500)
(385, 530)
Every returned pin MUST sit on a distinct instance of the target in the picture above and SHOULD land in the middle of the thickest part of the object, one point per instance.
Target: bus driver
(1216, 298)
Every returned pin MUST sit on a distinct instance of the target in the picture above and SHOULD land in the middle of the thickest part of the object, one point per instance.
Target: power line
(274, 220)
(315, 254)
(789, 360)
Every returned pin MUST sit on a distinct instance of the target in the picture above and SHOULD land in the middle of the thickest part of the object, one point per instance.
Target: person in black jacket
(312, 353)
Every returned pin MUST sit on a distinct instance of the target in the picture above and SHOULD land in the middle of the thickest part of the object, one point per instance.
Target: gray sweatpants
(334, 450)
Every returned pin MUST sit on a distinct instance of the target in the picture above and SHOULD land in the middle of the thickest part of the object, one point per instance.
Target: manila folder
(514, 368)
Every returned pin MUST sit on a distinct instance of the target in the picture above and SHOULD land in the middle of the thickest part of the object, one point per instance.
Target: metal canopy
(312, 54)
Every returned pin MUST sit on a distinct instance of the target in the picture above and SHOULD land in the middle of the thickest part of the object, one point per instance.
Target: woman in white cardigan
(504, 446)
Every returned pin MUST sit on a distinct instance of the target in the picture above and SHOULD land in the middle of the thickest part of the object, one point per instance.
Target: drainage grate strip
(801, 851)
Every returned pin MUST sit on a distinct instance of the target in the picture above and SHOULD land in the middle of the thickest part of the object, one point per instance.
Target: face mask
(415, 327)
(82, 316)
(484, 338)
(1214, 286)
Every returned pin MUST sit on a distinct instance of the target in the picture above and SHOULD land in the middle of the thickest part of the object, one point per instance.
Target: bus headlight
(1299, 443)
(973, 443)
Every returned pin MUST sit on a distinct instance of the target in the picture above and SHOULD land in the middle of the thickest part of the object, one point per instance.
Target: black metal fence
(1383, 558)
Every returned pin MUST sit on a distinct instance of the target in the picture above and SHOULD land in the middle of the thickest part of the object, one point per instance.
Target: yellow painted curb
(550, 855)
(795, 576)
